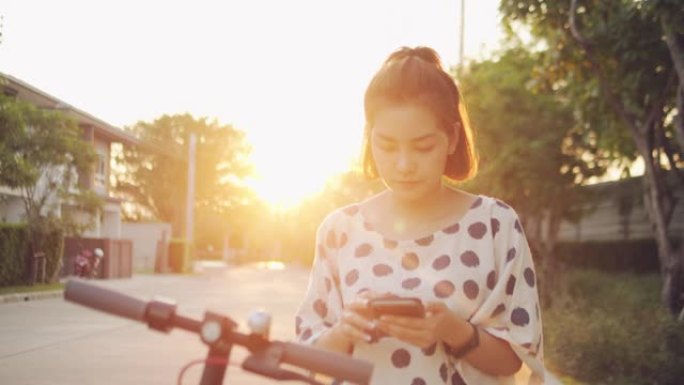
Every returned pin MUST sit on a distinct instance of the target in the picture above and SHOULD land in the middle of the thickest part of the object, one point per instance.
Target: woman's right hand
(357, 323)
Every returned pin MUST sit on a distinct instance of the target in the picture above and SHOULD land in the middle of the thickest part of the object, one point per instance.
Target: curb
(25, 297)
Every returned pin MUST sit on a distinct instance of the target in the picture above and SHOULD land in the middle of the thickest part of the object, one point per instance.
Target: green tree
(42, 153)
(531, 150)
(621, 64)
(155, 176)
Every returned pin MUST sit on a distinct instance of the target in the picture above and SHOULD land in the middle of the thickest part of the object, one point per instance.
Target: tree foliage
(155, 176)
(621, 64)
(531, 152)
(42, 153)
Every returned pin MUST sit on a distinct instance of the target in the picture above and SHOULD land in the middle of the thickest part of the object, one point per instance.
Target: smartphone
(402, 306)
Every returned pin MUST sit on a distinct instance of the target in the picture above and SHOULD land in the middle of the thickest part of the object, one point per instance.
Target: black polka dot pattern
(477, 230)
(444, 289)
(491, 280)
(351, 210)
(441, 262)
(456, 379)
(510, 254)
(401, 358)
(410, 261)
(381, 270)
(496, 225)
(476, 262)
(470, 259)
(477, 203)
(518, 227)
(529, 276)
(520, 317)
(334, 242)
(363, 250)
(410, 283)
(426, 241)
(499, 309)
(471, 289)
(443, 372)
(510, 285)
(320, 308)
(453, 229)
(298, 325)
(351, 277)
(389, 243)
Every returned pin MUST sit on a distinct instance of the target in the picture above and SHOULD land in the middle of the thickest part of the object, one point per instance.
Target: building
(101, 134)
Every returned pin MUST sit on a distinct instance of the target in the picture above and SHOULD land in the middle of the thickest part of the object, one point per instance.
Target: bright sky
(291, 74)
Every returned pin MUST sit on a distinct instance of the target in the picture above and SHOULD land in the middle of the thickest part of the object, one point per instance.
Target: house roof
(42, 99)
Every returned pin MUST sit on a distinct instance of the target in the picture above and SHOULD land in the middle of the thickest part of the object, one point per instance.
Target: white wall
(144, 237)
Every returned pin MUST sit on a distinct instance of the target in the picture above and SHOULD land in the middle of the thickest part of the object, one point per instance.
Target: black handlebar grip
(333, 364)
(105, 300)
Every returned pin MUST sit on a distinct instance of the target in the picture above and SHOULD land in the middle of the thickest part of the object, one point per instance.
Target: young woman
(464, 256)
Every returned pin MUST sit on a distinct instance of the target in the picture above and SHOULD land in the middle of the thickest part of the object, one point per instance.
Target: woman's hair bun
(424, 53)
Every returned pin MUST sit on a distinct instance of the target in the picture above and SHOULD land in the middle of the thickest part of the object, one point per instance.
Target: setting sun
(291, 75)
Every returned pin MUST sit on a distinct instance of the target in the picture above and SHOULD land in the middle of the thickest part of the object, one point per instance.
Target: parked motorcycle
(87, 263)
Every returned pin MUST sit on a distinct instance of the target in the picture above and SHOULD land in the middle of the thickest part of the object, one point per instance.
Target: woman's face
(410, 151)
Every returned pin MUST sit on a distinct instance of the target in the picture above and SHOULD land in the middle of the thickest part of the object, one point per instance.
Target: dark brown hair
(415, 75)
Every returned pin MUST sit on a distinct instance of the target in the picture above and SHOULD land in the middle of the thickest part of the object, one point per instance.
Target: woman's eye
(425, 148)
(387, 147)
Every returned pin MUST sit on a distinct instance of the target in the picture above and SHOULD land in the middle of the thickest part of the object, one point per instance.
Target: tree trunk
(668, 256)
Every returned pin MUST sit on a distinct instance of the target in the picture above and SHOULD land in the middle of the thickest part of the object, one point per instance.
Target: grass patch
(611, 328)
(31, 289)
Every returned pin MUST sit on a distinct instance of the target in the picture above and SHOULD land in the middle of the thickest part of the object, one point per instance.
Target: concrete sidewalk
(32, 296)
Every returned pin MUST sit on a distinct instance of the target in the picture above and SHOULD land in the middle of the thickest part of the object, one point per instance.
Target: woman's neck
(423, 209)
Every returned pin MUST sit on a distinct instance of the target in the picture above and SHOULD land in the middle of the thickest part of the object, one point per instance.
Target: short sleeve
(322, 304)
(511, 312)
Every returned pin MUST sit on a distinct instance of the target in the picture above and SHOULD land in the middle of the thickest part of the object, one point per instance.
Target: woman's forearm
(332, 339)
(492, 355)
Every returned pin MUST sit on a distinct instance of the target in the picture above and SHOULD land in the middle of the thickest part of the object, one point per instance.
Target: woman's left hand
(439, 324)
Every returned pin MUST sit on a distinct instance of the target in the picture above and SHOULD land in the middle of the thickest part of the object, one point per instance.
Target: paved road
(55, 342)
(51, 341)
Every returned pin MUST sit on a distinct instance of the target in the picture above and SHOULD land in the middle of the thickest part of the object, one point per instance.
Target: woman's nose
(404, 163)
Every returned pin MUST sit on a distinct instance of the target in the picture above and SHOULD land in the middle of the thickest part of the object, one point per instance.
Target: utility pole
(190, 201)
(461, 57)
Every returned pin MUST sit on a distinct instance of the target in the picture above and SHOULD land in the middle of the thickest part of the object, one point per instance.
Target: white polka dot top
(480, 267)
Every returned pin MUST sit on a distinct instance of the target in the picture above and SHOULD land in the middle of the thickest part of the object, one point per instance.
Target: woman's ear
(454, 138)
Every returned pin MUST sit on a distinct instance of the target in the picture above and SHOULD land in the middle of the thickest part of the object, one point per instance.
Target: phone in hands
(400, 306)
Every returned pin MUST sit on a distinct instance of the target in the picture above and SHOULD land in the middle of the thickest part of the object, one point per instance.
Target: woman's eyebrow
(418, 139)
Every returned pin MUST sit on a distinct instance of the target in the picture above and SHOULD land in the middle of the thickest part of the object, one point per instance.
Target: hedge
(13, 249)
(639, 256)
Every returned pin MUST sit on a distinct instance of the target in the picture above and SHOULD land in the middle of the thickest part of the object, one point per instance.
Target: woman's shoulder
(501, 214)
(497, 208)
(340, 216)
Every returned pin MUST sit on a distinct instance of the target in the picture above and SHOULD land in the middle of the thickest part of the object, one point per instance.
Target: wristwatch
(469, 346)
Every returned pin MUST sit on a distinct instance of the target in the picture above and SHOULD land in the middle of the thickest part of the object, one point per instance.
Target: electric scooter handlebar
(336, 365)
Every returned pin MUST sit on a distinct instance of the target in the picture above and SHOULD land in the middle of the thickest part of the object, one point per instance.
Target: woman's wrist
(459, 333)
(335, 336)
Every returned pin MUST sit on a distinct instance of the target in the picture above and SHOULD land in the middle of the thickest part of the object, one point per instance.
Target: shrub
(612, 329)
(13, 250)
